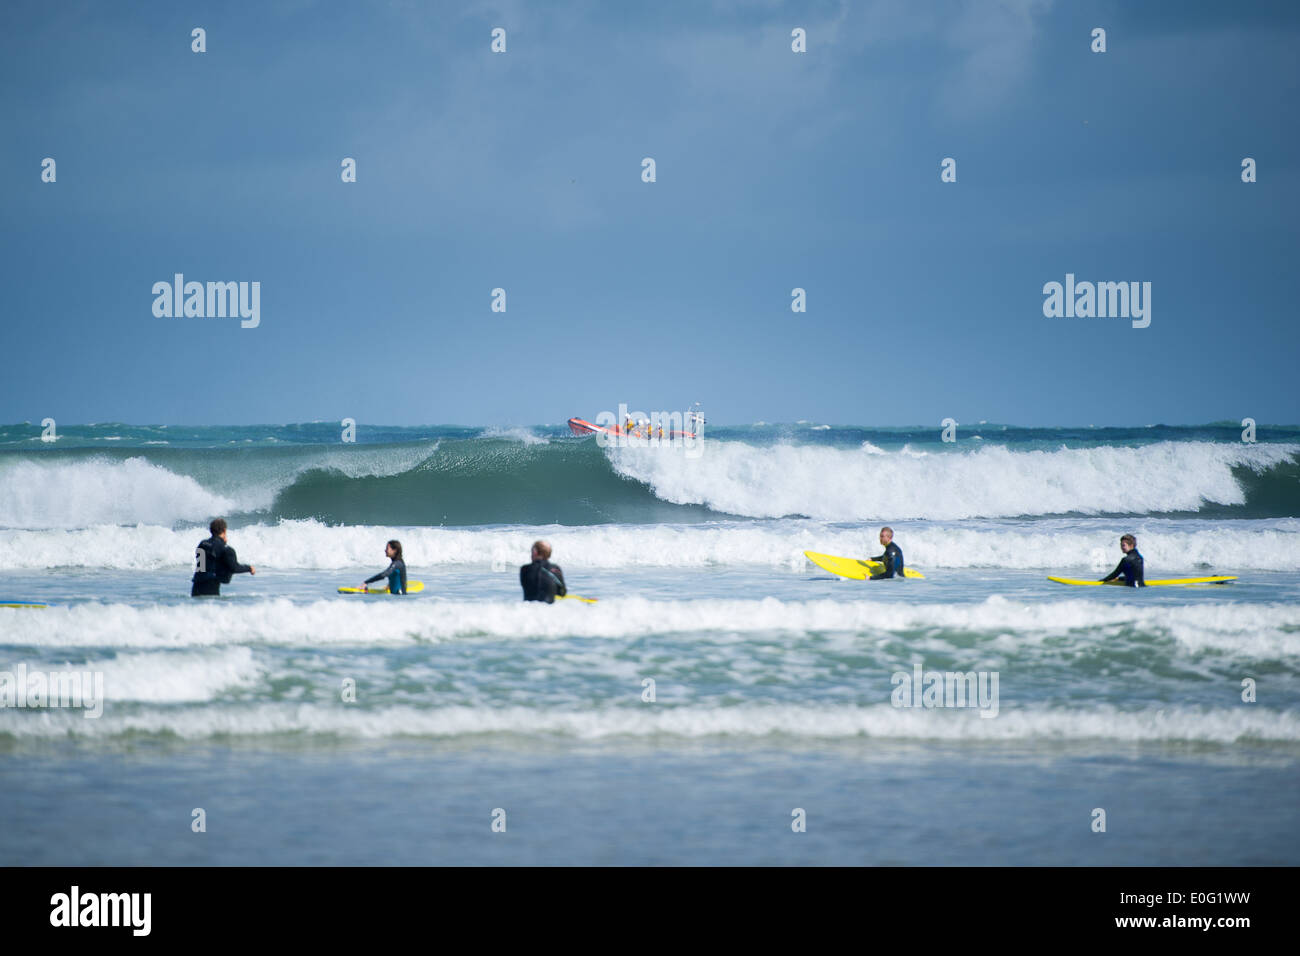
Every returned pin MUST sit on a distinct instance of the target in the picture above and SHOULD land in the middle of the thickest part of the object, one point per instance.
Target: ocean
(724, 702)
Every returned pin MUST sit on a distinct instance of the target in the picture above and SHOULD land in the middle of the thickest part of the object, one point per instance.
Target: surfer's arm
(1119, 569)
(879, 559)
(382, 574)
(231, 561)
(561, 588)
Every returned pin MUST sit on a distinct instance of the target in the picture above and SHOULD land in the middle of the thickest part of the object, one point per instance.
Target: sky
(775, 170)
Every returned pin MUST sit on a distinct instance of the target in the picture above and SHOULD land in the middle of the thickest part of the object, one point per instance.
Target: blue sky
(775, 170)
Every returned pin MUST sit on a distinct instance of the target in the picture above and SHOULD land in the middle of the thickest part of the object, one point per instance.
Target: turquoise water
(775, 684)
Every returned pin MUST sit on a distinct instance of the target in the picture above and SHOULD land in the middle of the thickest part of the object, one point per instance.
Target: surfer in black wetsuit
(542, 580)
(892, 558)
(1131, 567)
(215, 562)
(395, 572)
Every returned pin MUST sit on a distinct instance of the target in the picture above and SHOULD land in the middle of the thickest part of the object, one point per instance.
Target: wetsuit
(893, 561)
(542, 581)
(219, 563)
(1132, 568)
(396, 574)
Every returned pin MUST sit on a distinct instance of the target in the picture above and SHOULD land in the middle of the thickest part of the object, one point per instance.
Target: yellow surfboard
(859, 569)
(1162, 582)
(412, 587)
(21, 604)
(578, 597)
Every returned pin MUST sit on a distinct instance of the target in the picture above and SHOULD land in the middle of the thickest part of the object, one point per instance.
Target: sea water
(725, 701)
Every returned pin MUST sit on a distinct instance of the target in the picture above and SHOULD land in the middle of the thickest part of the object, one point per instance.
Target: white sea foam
(524, 436)
(881, 721)
(90, 492)
(63, 494)
(837, 484)
(1082, 545)
(181, 676)
(1259, 630)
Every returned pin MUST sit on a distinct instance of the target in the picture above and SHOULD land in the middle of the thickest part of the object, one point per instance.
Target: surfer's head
(394, 549)
(886, 535)
(1127, 543)
(218, 528)
(541, 550)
